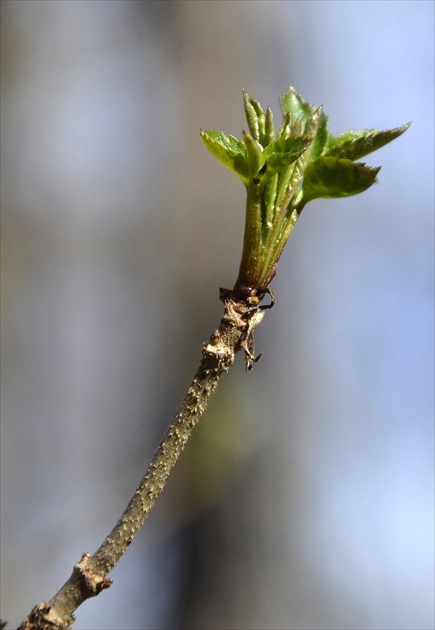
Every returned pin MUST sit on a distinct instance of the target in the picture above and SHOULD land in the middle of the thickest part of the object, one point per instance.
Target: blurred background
(305, 499)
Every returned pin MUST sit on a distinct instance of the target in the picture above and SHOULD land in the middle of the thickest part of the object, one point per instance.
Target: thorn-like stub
(272, 303)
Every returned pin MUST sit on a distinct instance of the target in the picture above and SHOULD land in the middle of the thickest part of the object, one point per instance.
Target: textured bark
(89, 576)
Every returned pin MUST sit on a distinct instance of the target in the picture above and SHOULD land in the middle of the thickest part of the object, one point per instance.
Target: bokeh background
(305, 499)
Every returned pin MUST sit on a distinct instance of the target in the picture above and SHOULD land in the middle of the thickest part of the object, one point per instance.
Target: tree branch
(89, 576)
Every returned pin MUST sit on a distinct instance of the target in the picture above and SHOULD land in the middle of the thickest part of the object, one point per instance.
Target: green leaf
(322, 135)
(282, 153)
(292, 103)
(284, 128)
(354, 145)
(333, 177)
(256, 118)
(254, 153)
(229, 150)
(269, 128)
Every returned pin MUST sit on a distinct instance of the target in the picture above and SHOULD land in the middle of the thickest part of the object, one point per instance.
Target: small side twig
(89, 576)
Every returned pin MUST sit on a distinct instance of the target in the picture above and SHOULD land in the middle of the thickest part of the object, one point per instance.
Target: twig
(89, 576)
(281, 174)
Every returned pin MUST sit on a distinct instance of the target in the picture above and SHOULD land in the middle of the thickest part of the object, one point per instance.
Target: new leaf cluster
(284, 170)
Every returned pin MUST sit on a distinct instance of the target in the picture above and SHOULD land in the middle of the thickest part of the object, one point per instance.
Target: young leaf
(254, 155)
(269, 128)
(322, 136)
(333, 177)
(354, 145)
(282, 153)
(228, 150)
(292, 103)
(256, 118)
